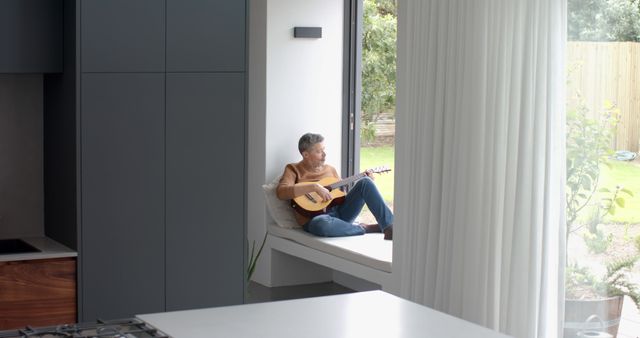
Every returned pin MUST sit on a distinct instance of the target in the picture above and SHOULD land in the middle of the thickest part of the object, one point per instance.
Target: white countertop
(48, 249)
(364, 314)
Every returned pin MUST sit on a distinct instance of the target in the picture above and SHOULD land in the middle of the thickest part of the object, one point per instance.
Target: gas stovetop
(122, 328)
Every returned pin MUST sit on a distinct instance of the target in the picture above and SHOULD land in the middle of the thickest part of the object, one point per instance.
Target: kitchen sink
(15, 246)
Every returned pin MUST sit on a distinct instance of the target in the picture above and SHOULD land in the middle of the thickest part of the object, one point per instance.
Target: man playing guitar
(297, 180)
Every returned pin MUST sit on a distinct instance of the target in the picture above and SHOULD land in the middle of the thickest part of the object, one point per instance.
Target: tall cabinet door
(205, 190)
(122, 195)
(122, 35)
(206, 36)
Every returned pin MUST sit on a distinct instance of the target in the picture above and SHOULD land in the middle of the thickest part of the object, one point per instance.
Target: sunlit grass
(371, 157)
(621, 173)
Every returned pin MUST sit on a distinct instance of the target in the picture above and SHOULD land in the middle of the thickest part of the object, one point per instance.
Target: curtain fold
(480, 161)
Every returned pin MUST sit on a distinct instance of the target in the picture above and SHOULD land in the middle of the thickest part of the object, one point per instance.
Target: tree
(378, 62)
(387, 7)
(604, 20)
(582, 16)
(588, 148)
(622, 17)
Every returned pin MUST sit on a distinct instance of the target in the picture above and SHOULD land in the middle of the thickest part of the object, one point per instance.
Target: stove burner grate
(121, 328)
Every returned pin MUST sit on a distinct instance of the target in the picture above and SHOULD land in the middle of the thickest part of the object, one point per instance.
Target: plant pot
(592, 315)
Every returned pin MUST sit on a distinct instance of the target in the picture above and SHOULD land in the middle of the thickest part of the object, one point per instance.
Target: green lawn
(621, 173)
(627, 175)
(371, 157)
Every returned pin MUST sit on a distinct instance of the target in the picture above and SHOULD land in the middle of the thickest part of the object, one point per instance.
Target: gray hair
(308, 140)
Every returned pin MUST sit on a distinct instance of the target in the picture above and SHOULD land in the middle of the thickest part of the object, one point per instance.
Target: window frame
(352, 87)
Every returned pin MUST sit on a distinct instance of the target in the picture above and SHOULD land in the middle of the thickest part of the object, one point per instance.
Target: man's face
(315, 155)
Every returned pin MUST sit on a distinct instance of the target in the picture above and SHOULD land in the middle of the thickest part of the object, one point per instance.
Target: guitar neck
(347, 181)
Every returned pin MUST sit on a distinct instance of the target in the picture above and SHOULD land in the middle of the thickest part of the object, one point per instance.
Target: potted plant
(254, 256)
(595, 304)
(596, 301)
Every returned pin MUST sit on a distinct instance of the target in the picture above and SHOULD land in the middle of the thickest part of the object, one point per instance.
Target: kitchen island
(46, 249)
(363, 314)
(37, 283)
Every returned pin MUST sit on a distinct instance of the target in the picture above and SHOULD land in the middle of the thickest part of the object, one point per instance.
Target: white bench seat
(368, 256)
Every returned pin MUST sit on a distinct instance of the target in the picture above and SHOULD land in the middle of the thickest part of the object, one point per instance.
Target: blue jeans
(338, 221)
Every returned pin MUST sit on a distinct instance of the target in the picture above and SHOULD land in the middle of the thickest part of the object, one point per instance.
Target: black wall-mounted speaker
(307, 32)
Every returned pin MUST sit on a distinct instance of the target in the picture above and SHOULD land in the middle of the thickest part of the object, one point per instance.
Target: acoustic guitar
(311, 204)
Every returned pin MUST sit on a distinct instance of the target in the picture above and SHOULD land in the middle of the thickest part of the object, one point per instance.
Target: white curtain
(480, 161)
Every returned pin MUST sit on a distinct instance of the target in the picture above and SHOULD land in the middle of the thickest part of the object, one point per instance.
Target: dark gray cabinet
(122, 180)
(158, 154)
(205, 189)
(31, 36)
(122, 35)
(205, 36)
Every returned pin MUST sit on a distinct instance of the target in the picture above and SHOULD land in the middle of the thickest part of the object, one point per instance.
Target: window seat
(367, 257)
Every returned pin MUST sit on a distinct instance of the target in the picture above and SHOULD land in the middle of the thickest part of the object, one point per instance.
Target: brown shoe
(388, 233)
(370, 228)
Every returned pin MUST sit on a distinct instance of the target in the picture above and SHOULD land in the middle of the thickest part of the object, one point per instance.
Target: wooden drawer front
(37, 293)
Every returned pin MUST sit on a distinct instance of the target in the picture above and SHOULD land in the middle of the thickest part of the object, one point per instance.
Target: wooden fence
(599, 71)
(602, 71)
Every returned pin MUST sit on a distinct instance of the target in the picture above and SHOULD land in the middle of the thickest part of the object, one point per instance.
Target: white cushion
(280, 210)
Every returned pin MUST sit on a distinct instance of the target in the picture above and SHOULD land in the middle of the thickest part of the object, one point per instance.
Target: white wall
(295, 86)
(304, 79)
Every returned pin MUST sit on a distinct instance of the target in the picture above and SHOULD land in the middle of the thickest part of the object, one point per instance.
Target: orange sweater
(296, 173)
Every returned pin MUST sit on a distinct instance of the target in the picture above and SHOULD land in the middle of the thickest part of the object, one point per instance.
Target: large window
(603, 173)
(372, 125)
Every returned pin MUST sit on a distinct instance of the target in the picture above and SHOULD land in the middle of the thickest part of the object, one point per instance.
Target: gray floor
(257, 293)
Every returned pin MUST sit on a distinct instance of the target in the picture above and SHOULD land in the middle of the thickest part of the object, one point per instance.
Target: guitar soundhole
(311, 198)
